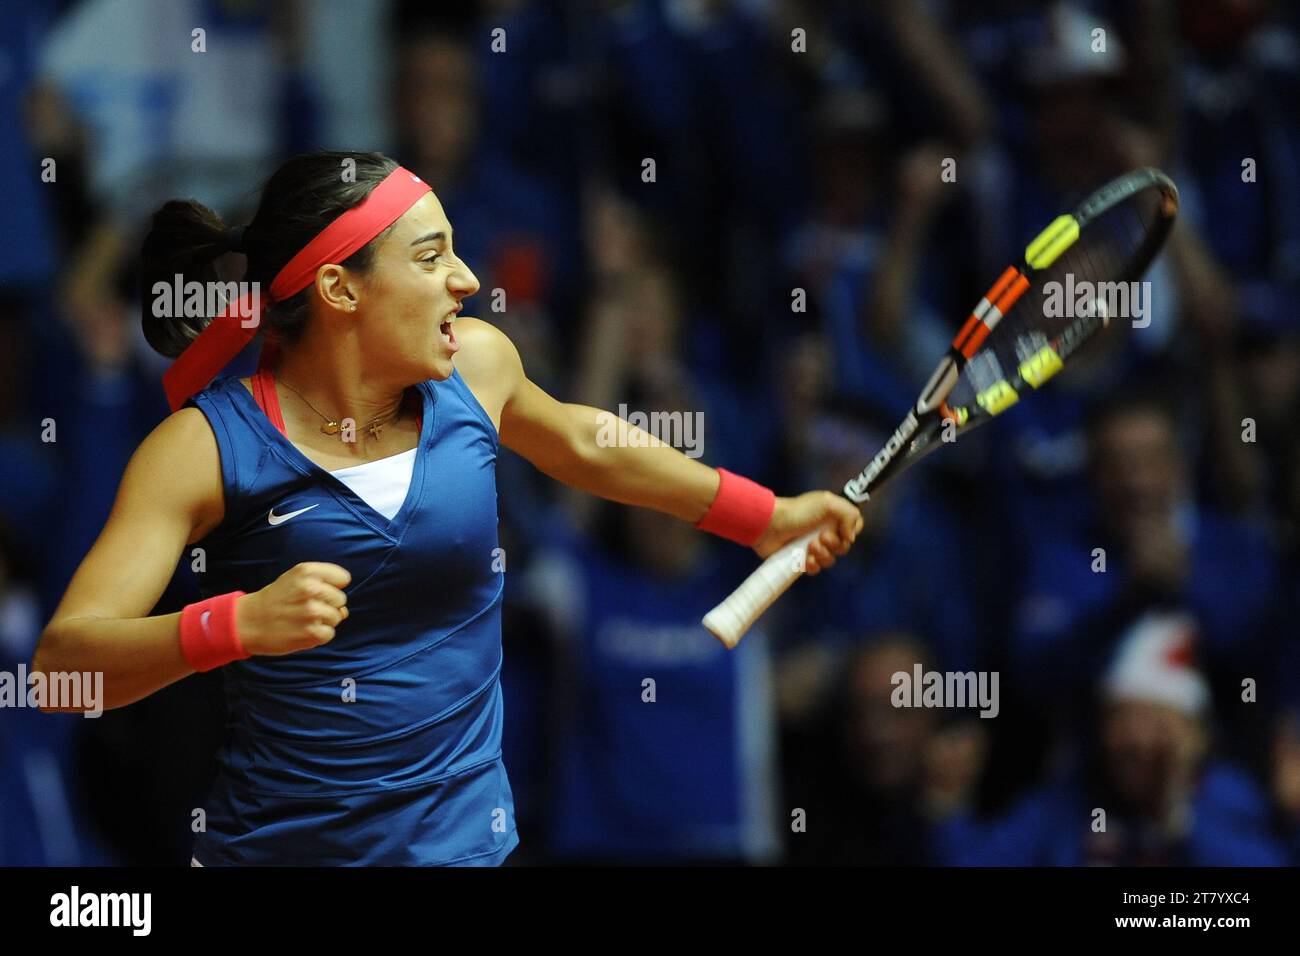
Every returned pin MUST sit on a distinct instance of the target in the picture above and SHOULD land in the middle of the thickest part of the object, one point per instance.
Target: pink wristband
(741, 511)
(208, 635)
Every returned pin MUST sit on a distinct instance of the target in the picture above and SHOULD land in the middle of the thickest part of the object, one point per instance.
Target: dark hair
(299, 200)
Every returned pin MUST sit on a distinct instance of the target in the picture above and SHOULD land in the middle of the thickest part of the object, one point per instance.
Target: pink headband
(226, 335)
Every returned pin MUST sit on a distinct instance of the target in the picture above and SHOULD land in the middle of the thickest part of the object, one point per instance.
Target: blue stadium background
(776, 170)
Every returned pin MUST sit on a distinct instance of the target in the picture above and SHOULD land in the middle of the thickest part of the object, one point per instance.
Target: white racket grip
(729, 621)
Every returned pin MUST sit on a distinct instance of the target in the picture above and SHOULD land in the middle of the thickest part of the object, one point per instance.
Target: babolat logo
(856, 489)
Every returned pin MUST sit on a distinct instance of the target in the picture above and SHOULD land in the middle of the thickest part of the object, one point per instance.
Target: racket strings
(1072, 299)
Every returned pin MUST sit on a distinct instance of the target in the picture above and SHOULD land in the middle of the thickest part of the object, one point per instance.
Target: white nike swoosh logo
(274, 519)
(203, 619)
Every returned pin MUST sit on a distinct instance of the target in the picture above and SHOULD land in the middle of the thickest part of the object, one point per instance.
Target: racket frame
(914, 438)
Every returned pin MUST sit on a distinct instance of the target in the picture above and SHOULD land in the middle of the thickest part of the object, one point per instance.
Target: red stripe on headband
(226, 335)
(350, 231)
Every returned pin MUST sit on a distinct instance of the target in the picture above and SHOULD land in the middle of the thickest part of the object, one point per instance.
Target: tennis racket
(1011, 343)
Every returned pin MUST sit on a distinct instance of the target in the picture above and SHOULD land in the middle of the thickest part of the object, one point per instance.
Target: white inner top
(381, 484)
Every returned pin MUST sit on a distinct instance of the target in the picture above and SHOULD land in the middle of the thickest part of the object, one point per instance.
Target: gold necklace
(333, 426)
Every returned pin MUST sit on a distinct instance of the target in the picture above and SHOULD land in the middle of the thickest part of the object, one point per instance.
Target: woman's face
(412, 293)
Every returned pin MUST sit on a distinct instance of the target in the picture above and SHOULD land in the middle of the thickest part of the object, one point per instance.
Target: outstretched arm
(600, 453)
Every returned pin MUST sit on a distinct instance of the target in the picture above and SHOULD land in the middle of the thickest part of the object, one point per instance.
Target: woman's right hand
(298, 610)
(839, 519)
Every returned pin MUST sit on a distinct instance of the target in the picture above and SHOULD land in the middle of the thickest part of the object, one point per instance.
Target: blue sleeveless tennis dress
(382, 747)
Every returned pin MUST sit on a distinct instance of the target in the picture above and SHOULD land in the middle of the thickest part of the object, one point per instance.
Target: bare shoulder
(489, 363)
(483, 344)
(183, 432)
(178, 466)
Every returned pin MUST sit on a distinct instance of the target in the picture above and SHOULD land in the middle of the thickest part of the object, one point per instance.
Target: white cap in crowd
(1155, 662)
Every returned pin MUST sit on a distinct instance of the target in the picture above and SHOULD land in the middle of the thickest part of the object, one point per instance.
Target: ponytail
(185, 238)
(300, 199)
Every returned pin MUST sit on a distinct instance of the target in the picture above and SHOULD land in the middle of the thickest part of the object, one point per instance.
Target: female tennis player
(339, 508)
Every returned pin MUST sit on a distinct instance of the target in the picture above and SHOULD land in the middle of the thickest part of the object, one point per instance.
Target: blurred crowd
(1123, 552)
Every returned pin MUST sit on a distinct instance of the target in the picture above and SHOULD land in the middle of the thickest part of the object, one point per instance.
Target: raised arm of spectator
(939, 67)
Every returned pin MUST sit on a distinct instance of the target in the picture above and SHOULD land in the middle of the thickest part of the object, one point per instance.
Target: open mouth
(448, 333)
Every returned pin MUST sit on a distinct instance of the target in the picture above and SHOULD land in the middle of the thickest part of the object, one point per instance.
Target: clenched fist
(299, 609)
